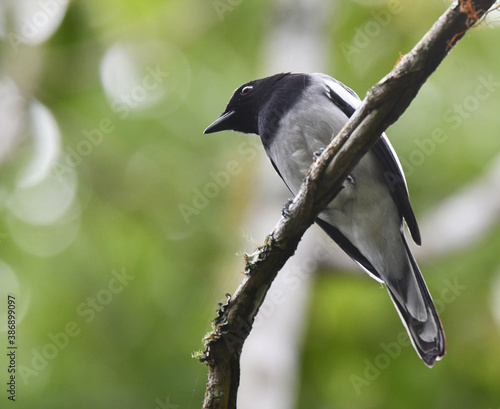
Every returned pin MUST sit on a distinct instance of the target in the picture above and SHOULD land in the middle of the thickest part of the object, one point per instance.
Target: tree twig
(383, 105)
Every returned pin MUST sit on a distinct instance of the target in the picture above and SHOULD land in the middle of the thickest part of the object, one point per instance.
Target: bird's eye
(246, 90)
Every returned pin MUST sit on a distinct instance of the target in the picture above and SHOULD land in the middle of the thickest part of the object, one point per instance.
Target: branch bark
(383, 105)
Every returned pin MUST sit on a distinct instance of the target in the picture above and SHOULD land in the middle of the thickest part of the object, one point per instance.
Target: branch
(383, 105)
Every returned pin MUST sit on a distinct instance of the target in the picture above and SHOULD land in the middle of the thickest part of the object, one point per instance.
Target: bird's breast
(301, 133)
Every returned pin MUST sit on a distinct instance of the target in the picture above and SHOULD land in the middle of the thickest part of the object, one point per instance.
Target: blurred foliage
(136, 349)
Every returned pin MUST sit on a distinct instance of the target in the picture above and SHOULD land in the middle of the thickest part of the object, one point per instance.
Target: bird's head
(242, 111)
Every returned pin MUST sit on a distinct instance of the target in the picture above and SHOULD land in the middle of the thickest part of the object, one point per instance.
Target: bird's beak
(220, 124)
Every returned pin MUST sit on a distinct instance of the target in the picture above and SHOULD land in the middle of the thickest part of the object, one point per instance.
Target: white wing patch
(347, 95)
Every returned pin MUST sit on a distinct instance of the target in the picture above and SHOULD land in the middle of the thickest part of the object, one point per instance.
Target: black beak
(220, 124)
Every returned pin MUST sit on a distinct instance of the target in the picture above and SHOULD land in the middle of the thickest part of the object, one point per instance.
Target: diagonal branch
(383, 105)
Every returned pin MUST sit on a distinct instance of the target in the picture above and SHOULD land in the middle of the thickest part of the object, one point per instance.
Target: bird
(296, 115)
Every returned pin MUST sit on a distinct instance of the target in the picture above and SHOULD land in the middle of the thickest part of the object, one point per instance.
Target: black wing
(395, 179)
(350, 249)
(393, 173)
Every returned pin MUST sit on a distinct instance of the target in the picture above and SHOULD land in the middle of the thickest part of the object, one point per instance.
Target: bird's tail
(417, 311)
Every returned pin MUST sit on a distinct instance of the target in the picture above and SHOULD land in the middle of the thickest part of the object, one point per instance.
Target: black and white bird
(295, 116)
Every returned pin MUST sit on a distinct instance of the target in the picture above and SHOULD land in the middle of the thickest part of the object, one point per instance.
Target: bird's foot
(317, 154)
(285, 209)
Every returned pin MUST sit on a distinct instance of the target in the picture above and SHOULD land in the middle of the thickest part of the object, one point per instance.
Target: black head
(242, 111)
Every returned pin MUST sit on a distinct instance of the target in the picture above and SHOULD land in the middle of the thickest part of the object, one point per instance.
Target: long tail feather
(422, 322)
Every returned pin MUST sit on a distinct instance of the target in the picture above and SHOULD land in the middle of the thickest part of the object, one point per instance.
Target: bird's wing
(394, 177)
(347, 101)
(343, 242)
(350, 249)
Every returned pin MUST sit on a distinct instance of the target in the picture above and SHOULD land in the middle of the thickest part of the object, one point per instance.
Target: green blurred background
(102, 109)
